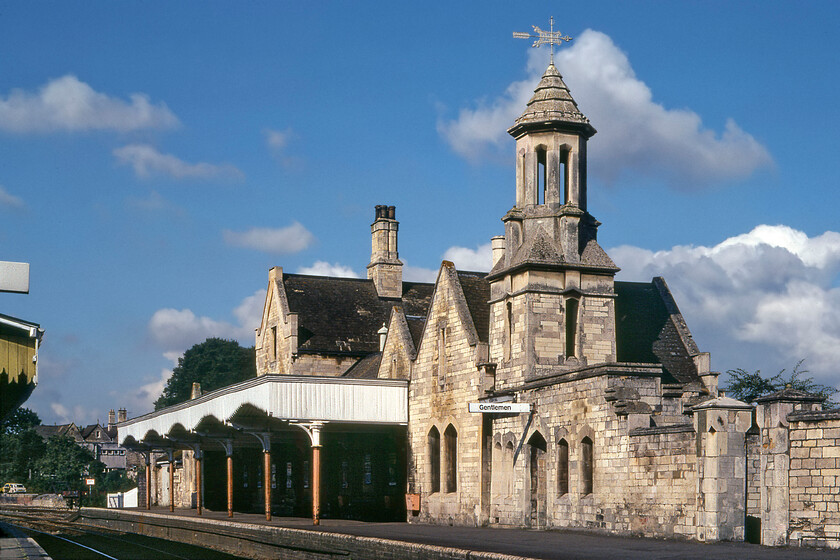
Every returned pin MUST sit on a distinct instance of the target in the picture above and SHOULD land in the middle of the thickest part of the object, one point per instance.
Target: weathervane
(544, 37)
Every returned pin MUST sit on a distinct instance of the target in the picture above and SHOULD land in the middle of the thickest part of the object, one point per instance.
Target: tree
(63, 464)
(19, 454)
(20, 420)
(747, 386)
(215, 363)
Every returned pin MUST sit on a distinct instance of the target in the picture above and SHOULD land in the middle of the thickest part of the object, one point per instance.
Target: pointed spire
(552, 102)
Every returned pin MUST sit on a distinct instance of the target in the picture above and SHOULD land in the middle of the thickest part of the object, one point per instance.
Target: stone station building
(606, 415)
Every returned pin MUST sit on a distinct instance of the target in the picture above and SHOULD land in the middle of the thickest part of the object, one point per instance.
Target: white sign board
(90, 481)
(500, 407)
(14, 277)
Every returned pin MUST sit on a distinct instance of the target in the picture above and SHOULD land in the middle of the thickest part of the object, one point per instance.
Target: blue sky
(156, 159)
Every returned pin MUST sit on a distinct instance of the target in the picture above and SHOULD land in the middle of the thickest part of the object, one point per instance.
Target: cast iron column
(171, 482)
(198, 461)
(148, 480)
(267, 483)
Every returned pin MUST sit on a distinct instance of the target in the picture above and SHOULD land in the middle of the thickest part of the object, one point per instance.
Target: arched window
(450, 466)
(536, 467)
(433, 452)
(542, 175)
(497, 474)
(562, 467)
(587, 460)
(571, 326)
(565, 174)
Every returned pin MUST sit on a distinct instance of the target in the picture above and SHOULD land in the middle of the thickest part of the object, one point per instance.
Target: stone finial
(383, 334)
(196, 390)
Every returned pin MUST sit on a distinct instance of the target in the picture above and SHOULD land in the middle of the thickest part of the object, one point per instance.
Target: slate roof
(651, 329)
(477, 293)
(640, 316)
(415, 328)
(552, 101)
(343, 315)
(366, 368)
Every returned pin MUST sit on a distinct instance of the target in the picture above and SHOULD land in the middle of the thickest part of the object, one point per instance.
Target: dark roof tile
(344, 315)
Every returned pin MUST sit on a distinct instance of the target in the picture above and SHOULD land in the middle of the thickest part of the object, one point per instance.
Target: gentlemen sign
(500, 407)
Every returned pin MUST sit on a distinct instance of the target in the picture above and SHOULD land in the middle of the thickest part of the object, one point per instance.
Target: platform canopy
(270, 403)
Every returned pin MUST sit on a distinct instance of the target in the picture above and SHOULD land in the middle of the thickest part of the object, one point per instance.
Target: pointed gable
(461, 295)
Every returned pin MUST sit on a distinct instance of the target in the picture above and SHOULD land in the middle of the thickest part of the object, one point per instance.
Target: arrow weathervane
(544, 37)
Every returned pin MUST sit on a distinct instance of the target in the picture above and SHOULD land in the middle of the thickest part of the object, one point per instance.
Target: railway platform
(251, 535)
(14, 545)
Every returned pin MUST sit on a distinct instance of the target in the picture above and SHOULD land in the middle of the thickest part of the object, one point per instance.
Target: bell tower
(551, 284)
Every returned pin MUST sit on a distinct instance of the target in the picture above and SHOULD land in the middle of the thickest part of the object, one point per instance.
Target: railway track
(61, 538)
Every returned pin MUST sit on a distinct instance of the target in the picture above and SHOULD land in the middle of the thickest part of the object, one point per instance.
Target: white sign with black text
(500, 407)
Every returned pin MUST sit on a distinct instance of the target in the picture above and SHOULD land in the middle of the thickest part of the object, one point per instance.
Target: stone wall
(318, 364)
(644, 480)
(660, 490)
(815, 478)
(444, 380)
(753, 522)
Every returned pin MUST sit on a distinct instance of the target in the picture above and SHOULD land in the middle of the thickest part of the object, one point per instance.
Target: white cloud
(278, 241)
(478, 259)
(9, 200)
(419, 274)
(153, 203)
(249, 312)
(77, 414)
(69, 104)
(278, 143)
(277, 139)
(174, 331)
(323, 268)
(760, 300)
(142, 399)
(147, 160)
(635, 134)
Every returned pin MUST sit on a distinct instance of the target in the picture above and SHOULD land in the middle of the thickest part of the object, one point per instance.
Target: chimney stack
(122, 415)
(385, 268)
(196, 390)
(111, 419)
(498, 246)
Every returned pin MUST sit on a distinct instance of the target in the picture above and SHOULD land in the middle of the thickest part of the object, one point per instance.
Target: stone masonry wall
(444, 379)
(329, 366)
(642, 484)
(814, 481)
(753, 482)
(661, 487)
